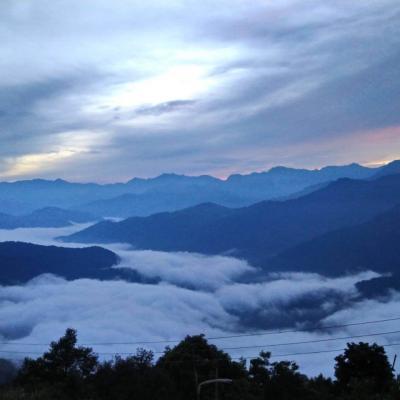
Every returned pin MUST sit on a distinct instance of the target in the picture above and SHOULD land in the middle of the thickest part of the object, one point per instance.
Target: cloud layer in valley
(117, 311)
(184, 269)
(217, 304)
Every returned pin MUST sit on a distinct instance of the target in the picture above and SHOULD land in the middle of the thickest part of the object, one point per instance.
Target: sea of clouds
(191, 294)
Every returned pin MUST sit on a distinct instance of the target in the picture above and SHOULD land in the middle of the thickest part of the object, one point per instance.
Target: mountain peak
(170, 175)
(389, 169)
(282, 169)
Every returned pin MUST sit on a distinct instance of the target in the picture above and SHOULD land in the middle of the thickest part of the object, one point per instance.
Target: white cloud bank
(195, 270)
(118, 311)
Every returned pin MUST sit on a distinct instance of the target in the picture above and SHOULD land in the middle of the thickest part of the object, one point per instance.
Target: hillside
(20, 262)
(49, 217)
(157, 200)
(373, 245)
(257, 232)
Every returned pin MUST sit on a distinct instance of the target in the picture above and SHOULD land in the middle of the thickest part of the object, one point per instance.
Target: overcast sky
(107, 90)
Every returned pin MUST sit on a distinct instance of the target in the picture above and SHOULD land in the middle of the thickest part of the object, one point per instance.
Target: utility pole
(196, 376)
(216, 383)
(394, 362)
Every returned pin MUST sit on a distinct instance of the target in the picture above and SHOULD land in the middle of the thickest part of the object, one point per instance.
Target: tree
(131, 377)
(62, 370)
(364, 368)
(7, 371)
(321, 388)
(278, 380)
(194, 360)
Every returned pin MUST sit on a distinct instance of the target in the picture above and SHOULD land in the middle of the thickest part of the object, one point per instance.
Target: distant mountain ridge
(389, 169)
(372, 245)
(169, 192)
(21, 262)
(258, 232)
(49, 217)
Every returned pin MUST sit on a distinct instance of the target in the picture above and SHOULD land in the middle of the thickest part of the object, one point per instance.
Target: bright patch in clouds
(186, 82)
(67, 146)
(35, 163)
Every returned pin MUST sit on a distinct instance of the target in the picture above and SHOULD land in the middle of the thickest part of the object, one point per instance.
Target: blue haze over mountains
(167, 192)
(333, 222)
(308, 228)
(53, 217)
(278, 233)
(258, 232)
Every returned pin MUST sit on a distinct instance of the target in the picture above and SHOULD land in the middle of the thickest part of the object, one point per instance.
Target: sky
(104, 91)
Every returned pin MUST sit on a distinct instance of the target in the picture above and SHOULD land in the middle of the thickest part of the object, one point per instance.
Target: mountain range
(331, 227)
(49, 217)
(372, 245)
(171, 192)
(313, 232)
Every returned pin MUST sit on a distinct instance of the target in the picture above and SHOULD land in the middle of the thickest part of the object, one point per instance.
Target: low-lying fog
(193, 294)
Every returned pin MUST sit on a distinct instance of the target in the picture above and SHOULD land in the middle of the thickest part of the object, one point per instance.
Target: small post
(216, 381)
(394, 362)
(196, 377)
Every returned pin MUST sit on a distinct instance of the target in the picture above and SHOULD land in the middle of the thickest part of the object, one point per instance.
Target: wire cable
(253, 334)
(236, 358)
(253, 346)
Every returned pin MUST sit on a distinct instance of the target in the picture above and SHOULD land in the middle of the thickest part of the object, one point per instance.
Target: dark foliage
(62, 371)
(68, 371)
(365, 369)
(193, 361)
(8, 371)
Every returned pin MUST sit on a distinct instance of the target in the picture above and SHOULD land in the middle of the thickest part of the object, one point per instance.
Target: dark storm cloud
(167, 107)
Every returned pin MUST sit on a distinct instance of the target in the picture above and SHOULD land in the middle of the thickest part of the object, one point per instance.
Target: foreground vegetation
(70, 372)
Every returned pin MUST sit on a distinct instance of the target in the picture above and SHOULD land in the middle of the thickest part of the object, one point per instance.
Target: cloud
(117, 311)
(166, 107)
(196, 271)
(42, 236)
(285, 288)
(216, 88)
(194, 294)
(106, 311)
(282, 300)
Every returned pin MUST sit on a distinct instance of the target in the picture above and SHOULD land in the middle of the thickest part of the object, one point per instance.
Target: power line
(315, 328)
(264, 333)
(311, 341)
(268, 345)
(325, 351)
(232, 358)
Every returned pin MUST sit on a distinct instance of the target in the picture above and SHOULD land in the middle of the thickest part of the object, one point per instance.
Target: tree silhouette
(134, 377)
(7, 371)
(71, 372)
(63, 369)
(193, 361)
(364, 368)
(278, 380)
